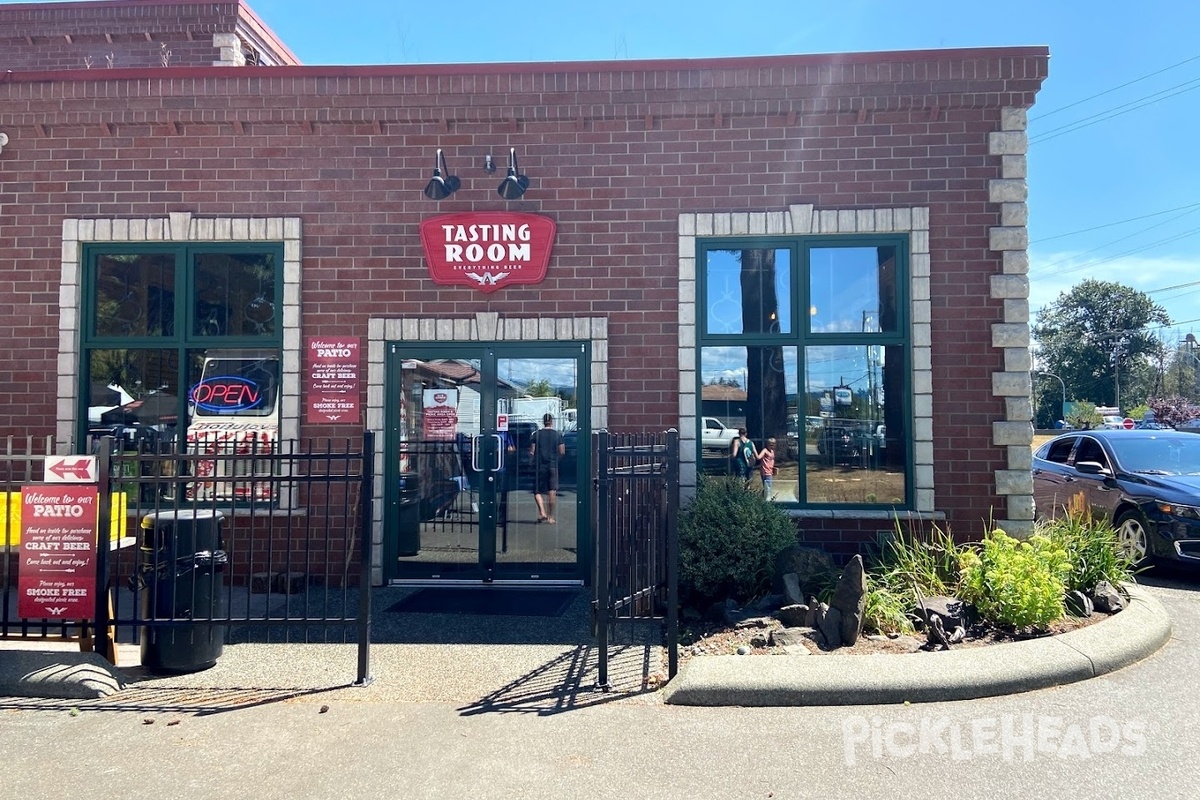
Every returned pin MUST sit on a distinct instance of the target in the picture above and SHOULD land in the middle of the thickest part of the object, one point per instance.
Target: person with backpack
(745, 456)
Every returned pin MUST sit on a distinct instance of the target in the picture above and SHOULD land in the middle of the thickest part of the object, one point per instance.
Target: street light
(1064, 391)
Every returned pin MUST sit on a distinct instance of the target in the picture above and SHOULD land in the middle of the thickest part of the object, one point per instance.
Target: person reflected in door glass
(546, 449)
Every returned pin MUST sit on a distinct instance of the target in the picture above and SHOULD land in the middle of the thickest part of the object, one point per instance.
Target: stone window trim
(804, 220)
(483, 327)
(178, 226)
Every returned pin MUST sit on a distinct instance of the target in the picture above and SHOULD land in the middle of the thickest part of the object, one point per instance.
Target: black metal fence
(217, 543)
(636, 562)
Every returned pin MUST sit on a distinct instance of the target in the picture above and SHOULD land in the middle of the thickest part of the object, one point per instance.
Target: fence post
(364, 572)
(102, 640)
(602, 590)
(672, 552)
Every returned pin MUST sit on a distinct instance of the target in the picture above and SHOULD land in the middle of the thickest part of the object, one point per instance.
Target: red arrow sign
(71, 469)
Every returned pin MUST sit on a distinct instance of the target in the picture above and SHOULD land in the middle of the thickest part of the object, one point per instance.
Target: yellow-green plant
(1017, 583)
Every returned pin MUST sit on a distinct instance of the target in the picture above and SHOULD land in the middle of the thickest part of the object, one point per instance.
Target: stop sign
(1127, 424)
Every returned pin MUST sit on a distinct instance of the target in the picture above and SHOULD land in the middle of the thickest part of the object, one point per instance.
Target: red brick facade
(615, 153)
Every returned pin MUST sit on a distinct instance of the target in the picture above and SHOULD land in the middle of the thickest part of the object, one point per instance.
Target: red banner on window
(332, 389)
(56, 578)
(487, 250)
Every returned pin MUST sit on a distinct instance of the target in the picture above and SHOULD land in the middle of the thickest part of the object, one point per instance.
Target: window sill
(851, 513)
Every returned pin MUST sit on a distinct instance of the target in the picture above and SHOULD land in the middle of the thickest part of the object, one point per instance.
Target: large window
(154, 315)
(804, 341)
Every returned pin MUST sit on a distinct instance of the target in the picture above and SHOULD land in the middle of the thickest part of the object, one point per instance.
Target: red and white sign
(487, 250)
(502, 422)
(71, 469)
(56, 578)
(439, 417)
(1127, 424)
(332, 392)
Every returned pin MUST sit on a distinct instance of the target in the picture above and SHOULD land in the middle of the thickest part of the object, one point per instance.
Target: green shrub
(728, 542)
(1091, 546)
(1017, 583)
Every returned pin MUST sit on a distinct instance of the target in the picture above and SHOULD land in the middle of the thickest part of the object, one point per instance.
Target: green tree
(1098, 337)
(540, 388)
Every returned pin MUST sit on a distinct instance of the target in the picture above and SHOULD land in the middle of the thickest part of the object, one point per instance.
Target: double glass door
(486, 468)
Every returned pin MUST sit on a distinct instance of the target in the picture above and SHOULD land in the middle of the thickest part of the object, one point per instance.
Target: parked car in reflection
(1146, 482)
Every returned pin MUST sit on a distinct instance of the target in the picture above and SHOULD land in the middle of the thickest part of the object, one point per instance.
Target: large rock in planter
(951, 611)
(830, 627)
(809, 564)
(850, 600)
(1106, 598)
(793, 616)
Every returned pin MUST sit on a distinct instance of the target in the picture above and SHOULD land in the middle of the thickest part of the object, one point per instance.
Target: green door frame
(488, 353)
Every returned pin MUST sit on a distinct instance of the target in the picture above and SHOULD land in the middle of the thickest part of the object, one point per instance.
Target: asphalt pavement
(1129, 733)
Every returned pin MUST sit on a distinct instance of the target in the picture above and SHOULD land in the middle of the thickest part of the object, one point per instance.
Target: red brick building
(828, 250)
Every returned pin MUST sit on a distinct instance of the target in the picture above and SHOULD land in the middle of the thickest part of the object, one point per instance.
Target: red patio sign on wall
(487, 250)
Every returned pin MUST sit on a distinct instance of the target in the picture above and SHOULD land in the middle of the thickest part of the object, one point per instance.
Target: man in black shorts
(546, 448)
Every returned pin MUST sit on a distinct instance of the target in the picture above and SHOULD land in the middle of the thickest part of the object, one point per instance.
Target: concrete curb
(833, 680)
(57, 674)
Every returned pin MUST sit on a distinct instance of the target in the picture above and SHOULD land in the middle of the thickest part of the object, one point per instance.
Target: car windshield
(1175, 455)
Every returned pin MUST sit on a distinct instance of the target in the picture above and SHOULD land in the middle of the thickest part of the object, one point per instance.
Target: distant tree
(1098, 338)
(1084, 416)
(540, 388)
(1172, 411)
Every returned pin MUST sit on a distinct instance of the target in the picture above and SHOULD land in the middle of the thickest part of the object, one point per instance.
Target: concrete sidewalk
(483, 663)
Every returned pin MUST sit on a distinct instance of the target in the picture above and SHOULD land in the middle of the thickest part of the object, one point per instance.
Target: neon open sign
(227, 394)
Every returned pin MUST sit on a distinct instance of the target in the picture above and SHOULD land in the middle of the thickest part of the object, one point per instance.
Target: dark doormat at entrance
(493, 602)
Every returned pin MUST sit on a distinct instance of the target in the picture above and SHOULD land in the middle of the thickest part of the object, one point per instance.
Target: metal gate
(636, 486)
(291, 558)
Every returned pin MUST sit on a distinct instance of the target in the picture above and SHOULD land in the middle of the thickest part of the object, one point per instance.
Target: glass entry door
(483, 465)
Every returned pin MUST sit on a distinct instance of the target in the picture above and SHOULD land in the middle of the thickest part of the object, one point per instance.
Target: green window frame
(149, 312)
(806, 340)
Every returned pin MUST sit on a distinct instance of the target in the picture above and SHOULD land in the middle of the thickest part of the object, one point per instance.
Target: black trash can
(181, 574)
(409, 500)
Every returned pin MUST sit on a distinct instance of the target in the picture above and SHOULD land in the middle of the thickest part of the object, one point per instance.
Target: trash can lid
(173, 515)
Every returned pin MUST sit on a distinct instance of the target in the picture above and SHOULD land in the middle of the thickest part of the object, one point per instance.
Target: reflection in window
(852, 289)
(134, 395)
(135, 295)
(748, 291)
(234, 294)
(857, 435)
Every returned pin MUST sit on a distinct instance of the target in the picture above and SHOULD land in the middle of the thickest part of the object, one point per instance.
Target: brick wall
(614, 152)
(127, 35)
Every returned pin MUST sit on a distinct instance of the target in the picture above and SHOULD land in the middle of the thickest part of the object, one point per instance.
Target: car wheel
(1133, 538)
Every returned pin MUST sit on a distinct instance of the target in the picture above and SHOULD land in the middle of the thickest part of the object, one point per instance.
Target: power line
(1116, 88)
(1113, 224)
(1115, 112)
(1173, 238)
(1169, 288)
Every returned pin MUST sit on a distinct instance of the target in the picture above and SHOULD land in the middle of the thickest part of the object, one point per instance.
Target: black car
(1147, 482)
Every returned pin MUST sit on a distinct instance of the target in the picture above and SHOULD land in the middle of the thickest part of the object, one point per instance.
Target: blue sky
(1140, 162)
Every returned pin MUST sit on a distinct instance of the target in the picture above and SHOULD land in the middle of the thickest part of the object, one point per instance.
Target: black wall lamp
(439, 187)
(514, 184)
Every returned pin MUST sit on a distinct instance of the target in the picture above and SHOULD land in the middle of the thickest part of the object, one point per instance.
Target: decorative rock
(769, 602)
(792, 590)
(789, 636)
(810, 564)
(1078, 604)
(753, 622)
(759, 640)
(743, 650)
(831, 628)
(951, 611)
(793, 616)
(850, 600)
(810, 619)
(1106, 598)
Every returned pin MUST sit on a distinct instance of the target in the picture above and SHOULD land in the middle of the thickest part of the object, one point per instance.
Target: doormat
(493, 602)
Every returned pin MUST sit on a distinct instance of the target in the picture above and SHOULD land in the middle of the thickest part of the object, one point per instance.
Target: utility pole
(1115, 360)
